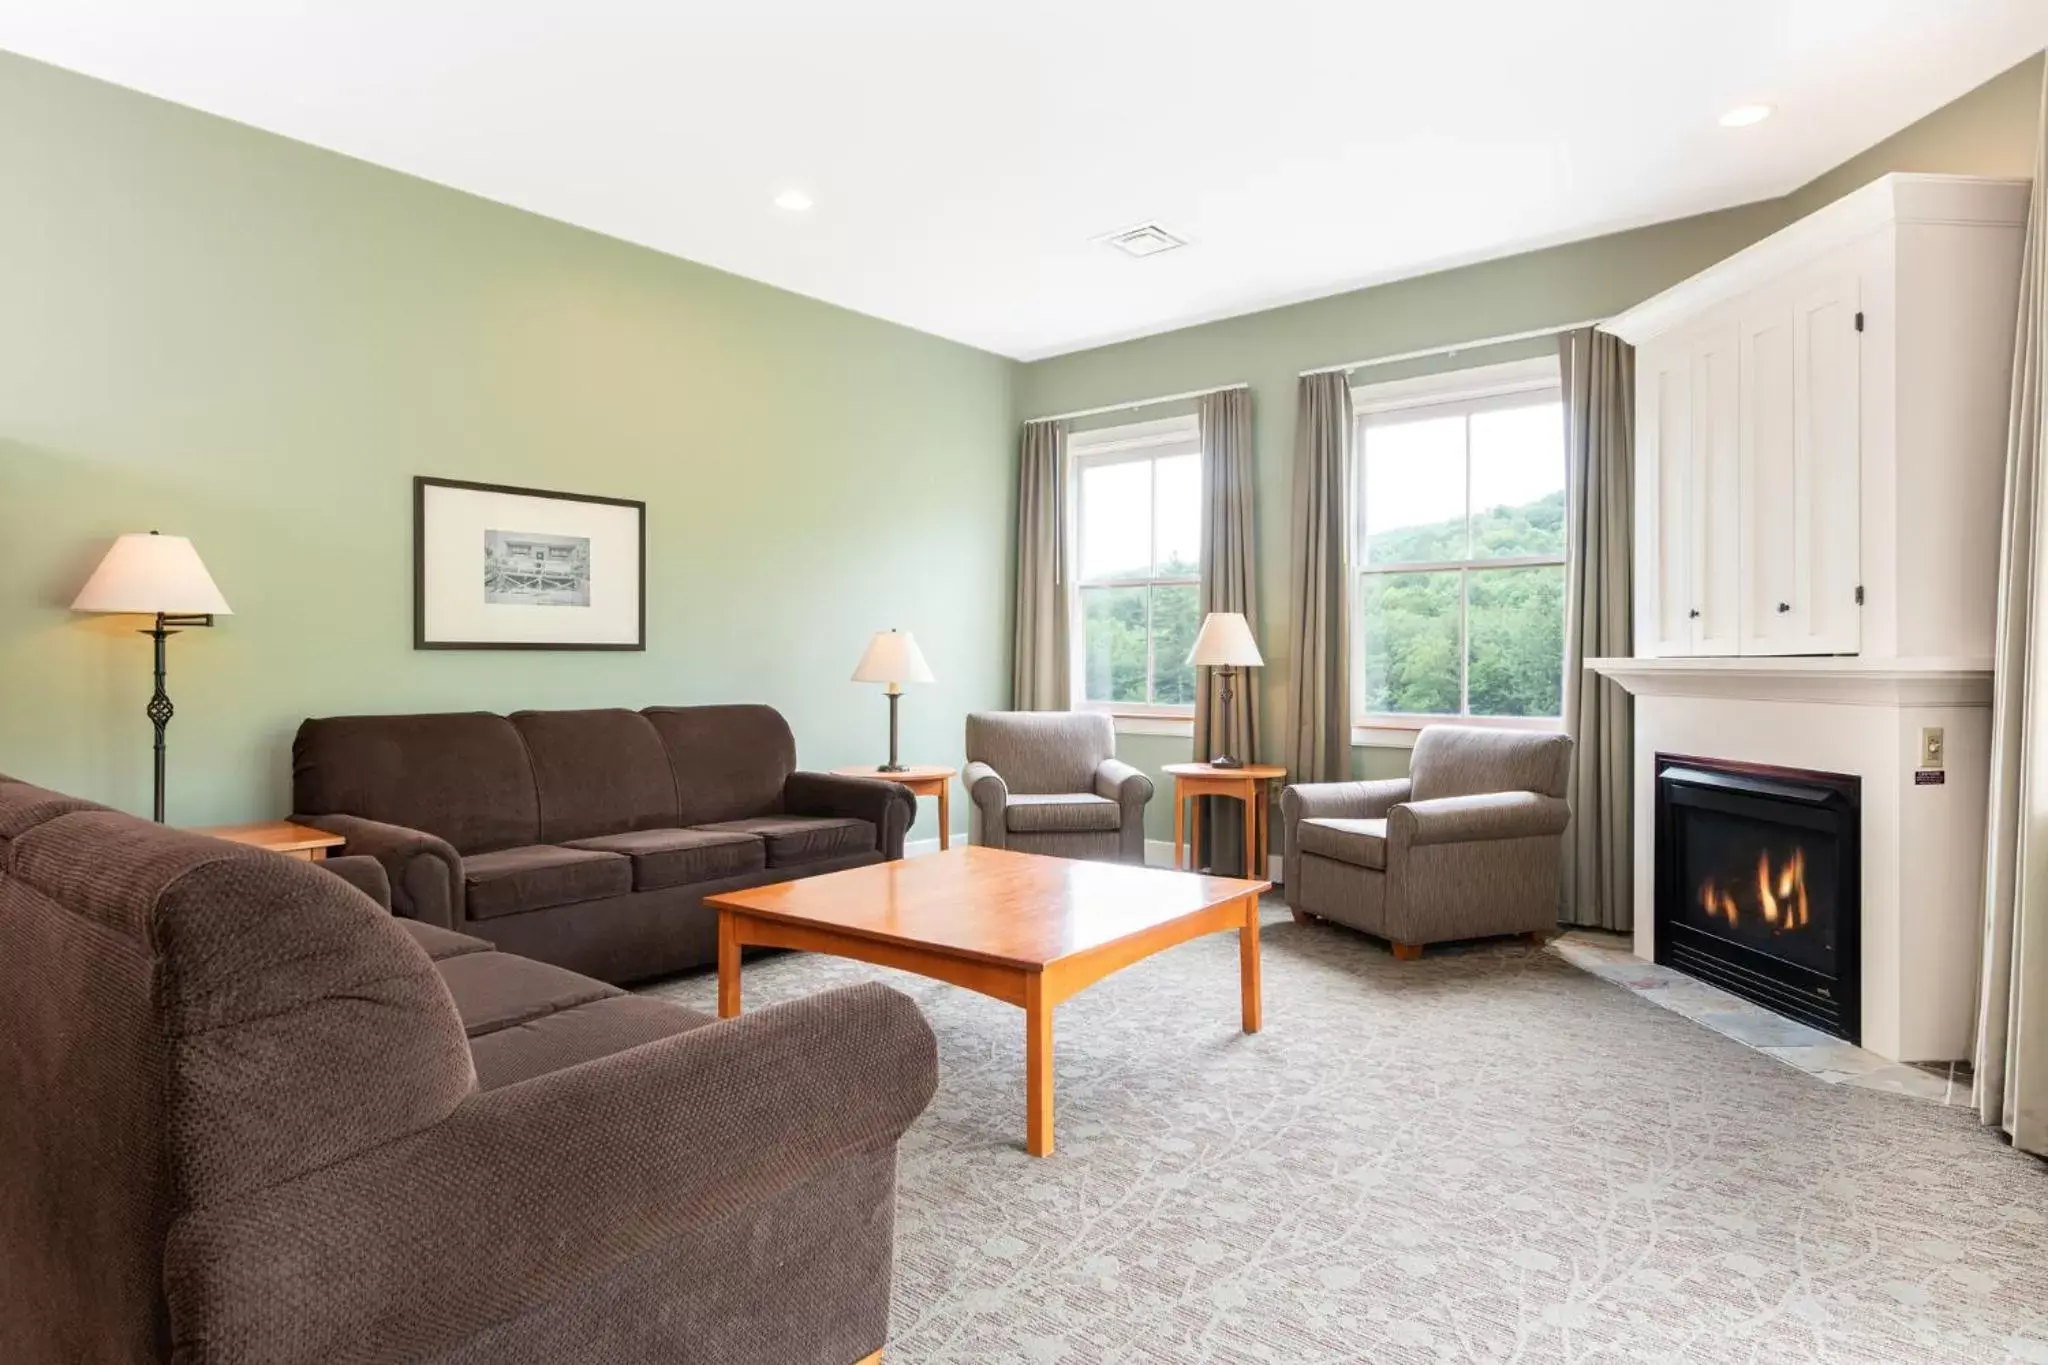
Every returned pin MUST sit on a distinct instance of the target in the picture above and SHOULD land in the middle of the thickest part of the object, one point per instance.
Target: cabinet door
(1664, 559)
(1716, 532)
(1800, 452)
(1827, 405)
(1768, 581)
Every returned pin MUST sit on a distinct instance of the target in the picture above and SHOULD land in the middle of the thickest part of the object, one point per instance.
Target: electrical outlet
(1932, 752)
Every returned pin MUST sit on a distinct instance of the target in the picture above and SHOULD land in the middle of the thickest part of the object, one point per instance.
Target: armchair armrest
(1470, 819)
(530, 1192)
(365, 874)
(888, 806)
(1123, 784)
(1341, 800)
(425, 871)
(991, 797)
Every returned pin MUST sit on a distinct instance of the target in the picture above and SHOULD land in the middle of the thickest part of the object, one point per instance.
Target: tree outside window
(1460, 554)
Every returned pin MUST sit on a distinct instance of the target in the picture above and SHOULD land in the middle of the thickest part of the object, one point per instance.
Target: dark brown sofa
(588, 839)
(249, 1118)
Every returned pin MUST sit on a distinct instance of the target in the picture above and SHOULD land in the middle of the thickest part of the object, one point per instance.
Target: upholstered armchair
(1050, 782)
(1466, 846)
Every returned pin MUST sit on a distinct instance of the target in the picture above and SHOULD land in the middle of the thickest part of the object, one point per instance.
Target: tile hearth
(1826, 1058)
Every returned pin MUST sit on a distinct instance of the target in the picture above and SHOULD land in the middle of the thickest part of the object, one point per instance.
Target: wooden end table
(303, 842)
(923, 779)
(1250, 784)
(1026, 929)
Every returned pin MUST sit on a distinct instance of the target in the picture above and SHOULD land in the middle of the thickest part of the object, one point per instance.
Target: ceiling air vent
(1146, 239)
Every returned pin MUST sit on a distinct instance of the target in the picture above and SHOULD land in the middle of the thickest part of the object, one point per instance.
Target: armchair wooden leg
(1301, 916)
(1538, 937)
(1407, 952)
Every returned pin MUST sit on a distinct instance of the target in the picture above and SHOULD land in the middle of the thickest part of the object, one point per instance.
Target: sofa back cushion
(597, 772)
(187, 1021)
(464, 776)
(730, 762)
(1042, 752)
(1466, 760)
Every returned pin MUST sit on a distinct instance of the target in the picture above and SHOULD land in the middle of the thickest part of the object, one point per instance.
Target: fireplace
(1757, 885)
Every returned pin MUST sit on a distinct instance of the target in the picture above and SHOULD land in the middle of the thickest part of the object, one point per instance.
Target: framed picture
(523, 568)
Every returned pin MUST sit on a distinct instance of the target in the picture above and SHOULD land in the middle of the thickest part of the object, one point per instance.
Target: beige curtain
(2010, 1060)
(1599, 429)
(1319, 622)
(1229, 583)
(1040, 677)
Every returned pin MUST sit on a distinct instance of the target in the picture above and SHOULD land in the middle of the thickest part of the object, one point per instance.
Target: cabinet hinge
(1859, 320)
(1859, 594)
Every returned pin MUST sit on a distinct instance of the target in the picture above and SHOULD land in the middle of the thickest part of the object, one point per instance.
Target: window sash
(1148, 443)
(1434, 398)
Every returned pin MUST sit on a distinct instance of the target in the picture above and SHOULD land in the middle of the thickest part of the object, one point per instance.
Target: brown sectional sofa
(249, 1118)
(588, 839)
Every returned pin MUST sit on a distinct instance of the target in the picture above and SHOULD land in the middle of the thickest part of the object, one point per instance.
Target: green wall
(1989, 131)
(214, 331)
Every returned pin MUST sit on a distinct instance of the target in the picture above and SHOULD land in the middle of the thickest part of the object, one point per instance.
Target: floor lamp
(160, 576)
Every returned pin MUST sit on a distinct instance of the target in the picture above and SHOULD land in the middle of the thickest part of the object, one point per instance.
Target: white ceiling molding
(967, 160)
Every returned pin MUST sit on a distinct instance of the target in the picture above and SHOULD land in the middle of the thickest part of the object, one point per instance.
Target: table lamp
(892, 658)
(1226, 643)
(160, 576)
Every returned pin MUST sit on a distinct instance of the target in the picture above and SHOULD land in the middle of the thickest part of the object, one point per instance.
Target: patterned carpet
(1488, 1155)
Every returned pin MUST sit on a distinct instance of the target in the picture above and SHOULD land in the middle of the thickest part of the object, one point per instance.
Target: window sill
(1182, 727)
(1399, 732)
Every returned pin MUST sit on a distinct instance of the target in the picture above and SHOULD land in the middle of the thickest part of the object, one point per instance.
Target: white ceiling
(963, 154)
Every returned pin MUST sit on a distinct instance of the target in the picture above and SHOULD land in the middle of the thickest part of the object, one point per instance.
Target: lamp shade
(1225, 642)
(145, 573)
(892, 657)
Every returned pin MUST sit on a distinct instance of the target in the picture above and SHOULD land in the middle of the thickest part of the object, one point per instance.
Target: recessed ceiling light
(1745, 115)
(793, 201)
(1146, 239)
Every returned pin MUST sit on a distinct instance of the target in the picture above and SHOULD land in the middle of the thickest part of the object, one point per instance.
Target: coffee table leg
(728, 966)
(1037, 1069)
(1248, 963)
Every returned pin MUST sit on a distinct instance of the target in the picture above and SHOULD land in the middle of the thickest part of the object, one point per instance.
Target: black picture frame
(421, 483)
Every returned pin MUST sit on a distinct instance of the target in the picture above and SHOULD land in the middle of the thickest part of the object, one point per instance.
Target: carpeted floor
(1488, 1155)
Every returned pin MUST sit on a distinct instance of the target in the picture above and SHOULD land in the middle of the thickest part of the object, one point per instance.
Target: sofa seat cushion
(535, 1046)
(792, 839)
(676, 857)
(1362, 843)
(442, 943)
(513, 880)
(1061, 813)
(494, 991)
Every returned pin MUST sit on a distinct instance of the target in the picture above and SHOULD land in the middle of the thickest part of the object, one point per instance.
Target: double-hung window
(1460, 546)
(1136, 530)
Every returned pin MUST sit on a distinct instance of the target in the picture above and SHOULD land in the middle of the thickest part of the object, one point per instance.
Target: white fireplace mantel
(1847, 680)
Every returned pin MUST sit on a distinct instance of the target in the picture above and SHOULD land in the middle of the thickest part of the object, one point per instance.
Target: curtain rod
(1138, 403)
(1454, 347)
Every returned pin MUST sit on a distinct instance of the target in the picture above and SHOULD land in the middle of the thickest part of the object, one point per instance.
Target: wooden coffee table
(1026, 929)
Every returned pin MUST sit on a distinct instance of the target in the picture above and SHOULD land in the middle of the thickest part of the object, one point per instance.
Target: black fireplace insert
(1757, 885)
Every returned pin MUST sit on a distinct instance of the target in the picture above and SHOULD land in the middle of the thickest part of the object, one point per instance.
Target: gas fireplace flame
(1780, 894)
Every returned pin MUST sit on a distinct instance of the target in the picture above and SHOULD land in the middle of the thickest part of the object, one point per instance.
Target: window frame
(1128, 443)
(1478, 389)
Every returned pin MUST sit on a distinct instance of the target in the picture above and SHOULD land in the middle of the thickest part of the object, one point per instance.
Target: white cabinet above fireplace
(1820, 431)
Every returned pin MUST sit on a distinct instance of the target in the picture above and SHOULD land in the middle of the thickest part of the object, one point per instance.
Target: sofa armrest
(888, 806)
(534, 1191)
(1123, 784)
(365, 874)
(991, 798)
(1470, 819)
(1341, 800)
(425, 871)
